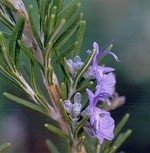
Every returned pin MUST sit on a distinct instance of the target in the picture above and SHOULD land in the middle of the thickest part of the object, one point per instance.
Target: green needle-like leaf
(57, 30)
(51, 24)
(51, 21)
(11, 74)
(121, 124)
(113, 149)
(84, 68)
(56, 131)
(68, 33)
(85, 86)
(7, 58)
(80, 36)
(4, 147)
(42, 101)
(68, 9)
(42, 14)
(6, 21)
(51, 146)
(35, 33)
(50, 75)
(64, 90)
(88, 147)
(58, 4)
(80, 143)
(14, 49)
(25, 103)
(9, 12)
(121, 139)
(29, 54)
(9, 4)
(9, 80)
(32, 73)
(80, 125)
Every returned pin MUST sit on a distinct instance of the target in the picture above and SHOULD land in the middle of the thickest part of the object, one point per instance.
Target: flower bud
(68, 106)
(76, 110)
(77, 98)
(74, 65)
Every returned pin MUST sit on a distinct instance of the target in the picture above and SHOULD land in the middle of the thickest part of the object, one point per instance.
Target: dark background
(106, 19)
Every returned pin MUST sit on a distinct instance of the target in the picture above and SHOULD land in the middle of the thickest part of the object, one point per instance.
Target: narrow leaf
(113, 149)
(88, 147)
(11, 74)
(25, 103)
(15, 36)
(80, 36)
(80, 143)
(121, 124)
(80, 125)
(9, 4)
(35, 33)
(56, 131)
(9, 80)
(63, 91)
(51, 146)
(85, 86)
(42, 14)
(51, 21)
(48, 55)
(68, 9)
(50, 75)
(10, 14)
(42, 101)
(121, 139)
(57, 30)
(68, 33)
(32, 73)
(6, 21)
(4, 147)
(5, 53)
(51, 24)
(29, 54)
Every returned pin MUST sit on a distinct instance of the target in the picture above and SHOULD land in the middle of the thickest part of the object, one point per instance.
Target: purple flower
(105, 87)
(94, 68)
(101, 124)
(105, 78)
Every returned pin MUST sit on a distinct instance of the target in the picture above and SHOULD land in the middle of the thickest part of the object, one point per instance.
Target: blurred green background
(126, 20)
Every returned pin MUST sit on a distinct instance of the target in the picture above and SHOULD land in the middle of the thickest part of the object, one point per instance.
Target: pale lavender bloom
(101, 124)
(68, 106)
(74, 109)
(105, 87)
(105, 78)
(92, 71)
(74, 65)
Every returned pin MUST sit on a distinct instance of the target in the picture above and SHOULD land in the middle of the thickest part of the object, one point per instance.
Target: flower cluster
(74, 109)
(101, 124)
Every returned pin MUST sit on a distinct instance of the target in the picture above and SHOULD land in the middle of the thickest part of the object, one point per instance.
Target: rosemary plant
(59, 36)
